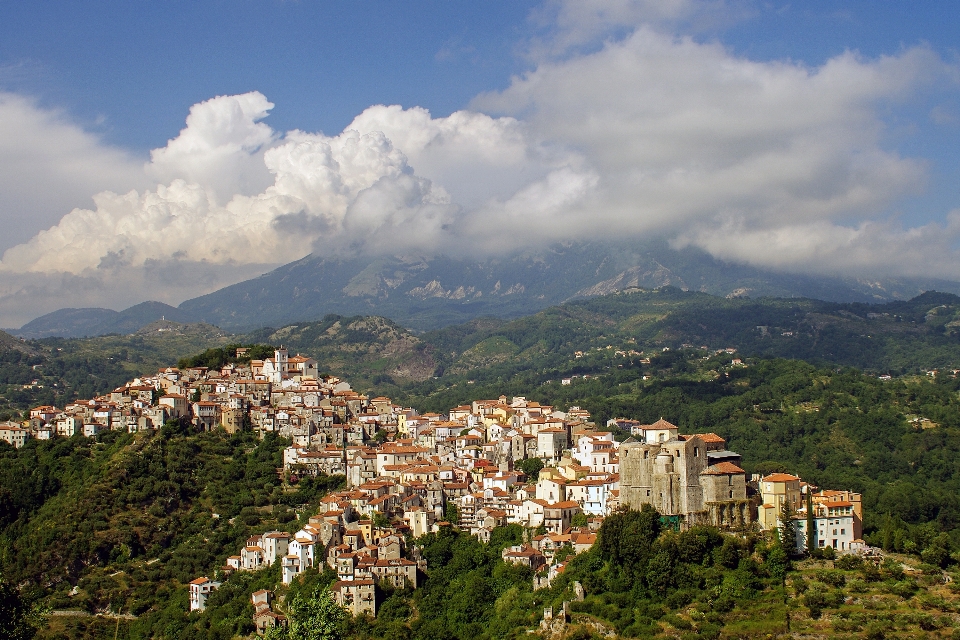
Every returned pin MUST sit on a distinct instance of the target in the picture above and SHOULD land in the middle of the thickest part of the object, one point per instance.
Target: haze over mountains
(427, 293)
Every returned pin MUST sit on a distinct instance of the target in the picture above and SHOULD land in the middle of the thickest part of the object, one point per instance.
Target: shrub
(799, 584)
(892, 568)
(832, 578)
(677, 622)
(709, 630)
(858, 586)
(870, 573)
(815, 601)
(848, 562)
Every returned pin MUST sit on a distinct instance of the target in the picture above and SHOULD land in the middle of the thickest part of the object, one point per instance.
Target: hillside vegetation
(120, 523)
(378, 354)
(123, 522)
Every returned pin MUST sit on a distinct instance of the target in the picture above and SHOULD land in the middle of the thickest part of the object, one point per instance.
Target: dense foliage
(53, 378)
(130, 518)
(216, 357)
(897, 337)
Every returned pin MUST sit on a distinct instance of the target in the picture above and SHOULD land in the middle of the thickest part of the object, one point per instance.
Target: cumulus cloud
(49, 165)
(221, 148)
(353, 192)
(777, 164)
(323, 188)
(684, 134)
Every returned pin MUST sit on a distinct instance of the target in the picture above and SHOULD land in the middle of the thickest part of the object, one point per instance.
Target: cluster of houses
(281, 394)
(408, 474)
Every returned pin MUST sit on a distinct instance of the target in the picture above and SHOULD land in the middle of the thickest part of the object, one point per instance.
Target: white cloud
(349, 192)
(475, 157)
(576, 25)
(686, 135)
(776, 164)
(49, 165)
(869, 247)
(221, 148)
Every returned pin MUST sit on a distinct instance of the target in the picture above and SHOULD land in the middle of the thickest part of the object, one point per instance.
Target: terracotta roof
(723, 469)
(780, 477)
(659, 424)
(706, 437)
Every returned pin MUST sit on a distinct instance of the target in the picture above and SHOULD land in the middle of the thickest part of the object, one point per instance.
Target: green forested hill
(896, 337)
(376, 353)
(122, 522)
(129, 519)
(54, 371)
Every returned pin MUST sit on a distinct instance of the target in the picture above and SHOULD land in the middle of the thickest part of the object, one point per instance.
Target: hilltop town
(483, 465)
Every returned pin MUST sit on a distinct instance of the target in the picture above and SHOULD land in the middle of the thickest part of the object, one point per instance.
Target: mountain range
(425, 293)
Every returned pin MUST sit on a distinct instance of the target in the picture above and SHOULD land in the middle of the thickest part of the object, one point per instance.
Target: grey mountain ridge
(425, 293)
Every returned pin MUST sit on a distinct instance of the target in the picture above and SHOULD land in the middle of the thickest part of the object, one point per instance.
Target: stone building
(683, 476)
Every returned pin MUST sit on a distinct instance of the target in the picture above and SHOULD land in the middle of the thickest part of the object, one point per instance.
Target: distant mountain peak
(426, 293)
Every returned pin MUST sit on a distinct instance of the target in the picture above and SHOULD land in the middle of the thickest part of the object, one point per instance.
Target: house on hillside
(200, 590)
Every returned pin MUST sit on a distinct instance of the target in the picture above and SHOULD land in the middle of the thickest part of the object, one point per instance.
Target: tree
(379, 520)
(626, 537)
(778, 564)
(531, 467)
(452, 513)
(788, 528)
(811, 524)
(20, 621)
(316, 617)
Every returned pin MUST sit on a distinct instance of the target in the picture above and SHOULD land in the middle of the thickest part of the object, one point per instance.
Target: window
(648, 493)
(843, 532)
(696, 452)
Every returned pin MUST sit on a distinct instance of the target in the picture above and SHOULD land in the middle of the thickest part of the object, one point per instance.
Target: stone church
(690, 476)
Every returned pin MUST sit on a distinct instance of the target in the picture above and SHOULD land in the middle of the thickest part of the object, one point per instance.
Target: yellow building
(776, 489)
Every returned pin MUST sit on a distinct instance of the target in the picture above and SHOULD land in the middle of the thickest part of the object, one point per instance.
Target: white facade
(200, 590)
(833, 527)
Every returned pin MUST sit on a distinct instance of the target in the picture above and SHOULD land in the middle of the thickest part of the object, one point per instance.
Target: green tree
(811, 524)
(788, 527)
(626, 537)
(531, 467)
(315, 617)
(778, 564)
(19, 620)
(452, 514)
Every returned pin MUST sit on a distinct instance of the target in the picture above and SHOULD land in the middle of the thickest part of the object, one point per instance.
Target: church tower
(280, 362)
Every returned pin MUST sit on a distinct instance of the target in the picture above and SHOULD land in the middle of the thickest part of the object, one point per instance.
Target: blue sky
(815, 137)
(130, 70)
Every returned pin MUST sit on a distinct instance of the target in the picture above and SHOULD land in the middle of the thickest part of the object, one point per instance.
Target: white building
(833, 527)
(200, 590)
